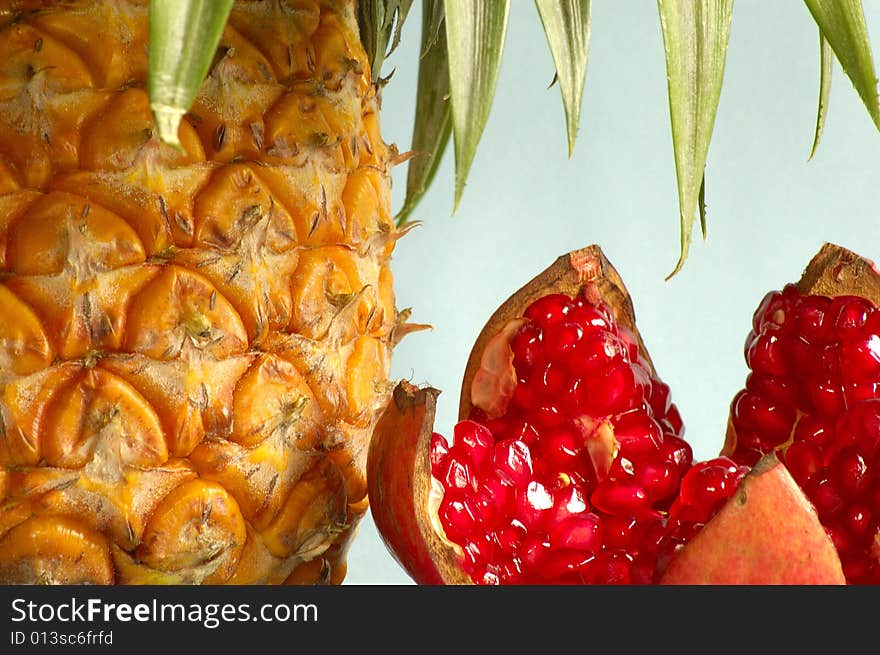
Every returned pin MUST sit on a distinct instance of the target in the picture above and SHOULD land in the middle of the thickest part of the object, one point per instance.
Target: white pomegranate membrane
(814, 394)
(585, 478)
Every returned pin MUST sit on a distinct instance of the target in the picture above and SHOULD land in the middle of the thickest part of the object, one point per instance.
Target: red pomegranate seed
(492, 499)
(568, 501)
(578, 533)
(510, 537)
(562, 338)
(619, 498)
(534, 550)
(562, 563)
(477, 552)
(825, 496)
(857, 519)
(553, 380)
(676, 451)
(457, 517)
(777, 390)
(848, 313)
(477, 440)
(619, 531)
(771, 420)
(526, 347)
(532, 503)
(549, 309)
(457, 476)
(803, 459)
(513, 461)
(765, 355)
(860, 357)
(439, 453)
(612, 391)
(596, 349)
(638, 434)
(632, 343)
(659, 479)
(660, 399)
(849, 471)
(810, 318)
(614, 567)
(825, 398)
(673, 419)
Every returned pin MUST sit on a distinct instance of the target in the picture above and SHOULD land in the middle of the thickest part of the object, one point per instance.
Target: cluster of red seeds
(575, 482)
(815, 382)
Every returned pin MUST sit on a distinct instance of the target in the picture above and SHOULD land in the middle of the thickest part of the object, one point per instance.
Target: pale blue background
(526, 202)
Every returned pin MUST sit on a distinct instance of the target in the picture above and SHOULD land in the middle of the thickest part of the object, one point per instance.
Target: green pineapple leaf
(475, 33)
(381, 22)
(433, 118)
(432, 23)
(842, 25)
(695, 37)
(183, 38)
(826, 59)
(567, 26)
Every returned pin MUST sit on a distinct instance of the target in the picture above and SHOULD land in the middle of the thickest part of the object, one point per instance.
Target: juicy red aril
(457, 517)
(573, 482)
(549, 310)
(658, 479)
(477, 440)
(822, 361)
(526, 347)
(764, 354)
(513, 461)
(532, 503)
(457, 475)
(620, 498)
(439, 452)
(803, 459)
(860, 357)
(562, 338)
(773, 421)
(849, 313)
(582, 533)
(849, 470)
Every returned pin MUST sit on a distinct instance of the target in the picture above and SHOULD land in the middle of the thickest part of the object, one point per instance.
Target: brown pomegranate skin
(813, 396)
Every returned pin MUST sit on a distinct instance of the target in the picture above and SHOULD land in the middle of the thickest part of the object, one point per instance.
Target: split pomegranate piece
(568, 465)
(768, 533)
(813, 396)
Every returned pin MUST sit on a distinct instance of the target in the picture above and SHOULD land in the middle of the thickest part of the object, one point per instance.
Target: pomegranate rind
(767, 533)
(585, 269)
(402, 500)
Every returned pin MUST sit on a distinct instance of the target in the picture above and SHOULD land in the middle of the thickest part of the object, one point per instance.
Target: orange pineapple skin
(195, 345)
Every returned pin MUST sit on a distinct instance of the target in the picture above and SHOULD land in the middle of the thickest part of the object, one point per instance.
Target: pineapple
(194, 343)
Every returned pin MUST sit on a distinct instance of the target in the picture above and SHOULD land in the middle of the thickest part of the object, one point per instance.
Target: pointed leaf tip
(695, 38)
(842, 25)
(825, 65)
(475, 34)
(567, 27)
(433, 117)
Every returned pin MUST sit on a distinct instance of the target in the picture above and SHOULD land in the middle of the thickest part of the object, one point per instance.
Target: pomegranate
(813, 396)
(569, 463)
(747, 543)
